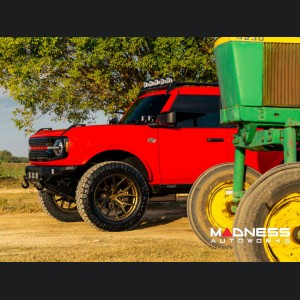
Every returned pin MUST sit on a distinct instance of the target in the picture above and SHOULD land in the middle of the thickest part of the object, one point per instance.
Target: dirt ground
(164, 235)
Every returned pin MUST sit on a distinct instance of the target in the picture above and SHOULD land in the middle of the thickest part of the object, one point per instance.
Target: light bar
(157, 82)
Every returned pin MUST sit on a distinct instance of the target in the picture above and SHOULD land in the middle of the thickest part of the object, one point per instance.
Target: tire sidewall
(197, 205)
(50, 207)
(256, 204)
(93, 179)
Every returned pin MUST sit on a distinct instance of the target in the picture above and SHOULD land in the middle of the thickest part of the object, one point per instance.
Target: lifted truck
(107, 174)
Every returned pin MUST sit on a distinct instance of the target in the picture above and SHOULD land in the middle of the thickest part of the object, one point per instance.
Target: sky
(15, 140)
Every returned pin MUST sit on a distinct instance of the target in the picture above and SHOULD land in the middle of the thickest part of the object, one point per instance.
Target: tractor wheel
(271, 208)
(59, 207)
(209, 203)
(112, 196)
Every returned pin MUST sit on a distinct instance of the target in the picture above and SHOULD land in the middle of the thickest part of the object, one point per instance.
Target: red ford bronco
(107, 174)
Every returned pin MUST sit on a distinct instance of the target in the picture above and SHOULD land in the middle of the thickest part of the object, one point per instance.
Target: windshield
(145, 110)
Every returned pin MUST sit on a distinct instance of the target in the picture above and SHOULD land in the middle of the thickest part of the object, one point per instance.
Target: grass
(13, 198)
(12, 170)
(22, 202)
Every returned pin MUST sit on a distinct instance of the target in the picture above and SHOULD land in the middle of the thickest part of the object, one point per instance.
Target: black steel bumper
(40, 175)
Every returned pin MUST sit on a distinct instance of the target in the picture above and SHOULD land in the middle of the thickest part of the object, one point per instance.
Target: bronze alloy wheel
(67, 205)
(59, 207)
(112, 196)
(115, 197)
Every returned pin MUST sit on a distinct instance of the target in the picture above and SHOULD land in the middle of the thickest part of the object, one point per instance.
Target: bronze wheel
(59, 207)
(116, 197)
(112, 196)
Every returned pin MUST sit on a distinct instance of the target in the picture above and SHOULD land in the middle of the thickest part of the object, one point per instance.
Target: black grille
(38, 148)
(48, 141)
(41, 155)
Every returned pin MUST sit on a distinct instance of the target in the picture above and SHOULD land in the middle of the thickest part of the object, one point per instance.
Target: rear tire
(58, 207)
(209, 202)
(112, 196)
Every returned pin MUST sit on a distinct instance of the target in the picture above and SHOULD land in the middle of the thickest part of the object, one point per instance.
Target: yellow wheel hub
(284, 214)
(219, 205)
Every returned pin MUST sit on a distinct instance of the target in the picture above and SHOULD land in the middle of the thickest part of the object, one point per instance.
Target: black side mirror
(113, 121)
(167, 118)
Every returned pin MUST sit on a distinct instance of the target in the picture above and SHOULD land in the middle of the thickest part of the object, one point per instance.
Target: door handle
(215, 140)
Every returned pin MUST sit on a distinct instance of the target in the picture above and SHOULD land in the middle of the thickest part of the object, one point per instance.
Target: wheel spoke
(105, 185)
(128, 187)
(122, 194)
(65, 204)
(114, 210)
(120, 202)
(115, 197)
(108, 209)
(121, 181)
(122, 208)
(60, 202)
(60, 207)
(113, 180)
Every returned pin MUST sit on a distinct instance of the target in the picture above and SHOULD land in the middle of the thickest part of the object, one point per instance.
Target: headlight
(58, 148)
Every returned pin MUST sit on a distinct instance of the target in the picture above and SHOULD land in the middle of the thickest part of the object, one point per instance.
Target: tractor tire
(209, 203)
(272, 204)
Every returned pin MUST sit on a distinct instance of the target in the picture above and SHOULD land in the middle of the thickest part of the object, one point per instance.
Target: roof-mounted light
(157, 82)
(169, 80)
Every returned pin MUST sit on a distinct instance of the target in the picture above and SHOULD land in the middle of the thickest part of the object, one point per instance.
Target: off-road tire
(52, 208)
(90, 207)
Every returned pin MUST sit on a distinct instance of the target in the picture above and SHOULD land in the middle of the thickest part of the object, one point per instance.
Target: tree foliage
(72, 78)
(7, 157)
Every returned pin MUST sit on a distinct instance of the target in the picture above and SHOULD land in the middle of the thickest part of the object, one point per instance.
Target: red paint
(178, 155)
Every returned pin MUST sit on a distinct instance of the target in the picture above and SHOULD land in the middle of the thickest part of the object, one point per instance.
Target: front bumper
(39, 176)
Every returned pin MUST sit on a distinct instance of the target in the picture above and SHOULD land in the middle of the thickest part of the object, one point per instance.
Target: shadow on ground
(161, 214)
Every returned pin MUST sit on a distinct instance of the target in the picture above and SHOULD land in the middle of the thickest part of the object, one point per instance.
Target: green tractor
(259, 216)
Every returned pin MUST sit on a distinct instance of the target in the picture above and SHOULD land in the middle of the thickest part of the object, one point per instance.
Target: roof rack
(174, 84)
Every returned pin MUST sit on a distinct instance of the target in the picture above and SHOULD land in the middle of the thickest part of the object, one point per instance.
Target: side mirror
(113, 121)
(167, 118)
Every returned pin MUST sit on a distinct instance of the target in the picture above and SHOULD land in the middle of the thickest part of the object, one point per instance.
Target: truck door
(197, 141)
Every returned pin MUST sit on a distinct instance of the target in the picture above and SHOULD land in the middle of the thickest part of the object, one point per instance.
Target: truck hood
(48, 132)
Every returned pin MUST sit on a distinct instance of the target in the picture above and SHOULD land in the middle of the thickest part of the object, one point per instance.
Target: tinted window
(197, 111)
(144, 109)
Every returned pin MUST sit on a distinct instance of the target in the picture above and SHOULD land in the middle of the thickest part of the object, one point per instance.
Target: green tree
(20, 159)
(72, 78)
(6, 156)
